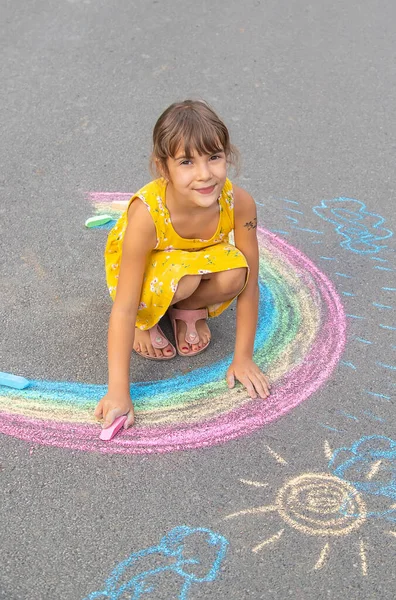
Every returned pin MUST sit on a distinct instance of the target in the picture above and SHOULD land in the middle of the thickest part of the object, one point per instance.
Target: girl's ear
(160, 169)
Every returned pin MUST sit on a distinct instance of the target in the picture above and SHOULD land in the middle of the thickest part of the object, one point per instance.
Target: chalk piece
(98, 220)
(108, 433)
(14, 381)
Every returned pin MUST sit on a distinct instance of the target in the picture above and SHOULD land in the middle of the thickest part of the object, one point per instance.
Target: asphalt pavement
(212, 495)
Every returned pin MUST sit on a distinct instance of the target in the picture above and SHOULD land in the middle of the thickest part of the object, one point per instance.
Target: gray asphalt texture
(308, 91)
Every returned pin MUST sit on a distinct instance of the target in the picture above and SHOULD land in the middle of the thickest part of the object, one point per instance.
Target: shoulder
(243, 202)
(140, 223)
(149, 196)
(149, 191)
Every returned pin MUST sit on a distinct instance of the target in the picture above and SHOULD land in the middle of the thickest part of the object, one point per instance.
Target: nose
(203, 173)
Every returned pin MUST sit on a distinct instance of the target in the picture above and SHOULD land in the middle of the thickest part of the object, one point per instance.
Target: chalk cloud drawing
(299, 340)
(360, 228)
(369, 465)
(315, 504)
(174, 564)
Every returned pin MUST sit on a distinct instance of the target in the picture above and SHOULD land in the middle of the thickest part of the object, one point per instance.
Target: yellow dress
(173, 256)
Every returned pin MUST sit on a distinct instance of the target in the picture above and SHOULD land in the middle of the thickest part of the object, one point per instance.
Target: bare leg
(213, 289)
(142, 342)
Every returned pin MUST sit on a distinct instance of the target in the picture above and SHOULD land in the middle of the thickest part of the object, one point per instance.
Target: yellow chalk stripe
(270, 540)
(252, 511)
(254, 483)
(277, 457)
(363, 557)
(323, 558)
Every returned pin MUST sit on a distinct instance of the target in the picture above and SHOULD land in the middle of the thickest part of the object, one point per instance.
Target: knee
(232, 282)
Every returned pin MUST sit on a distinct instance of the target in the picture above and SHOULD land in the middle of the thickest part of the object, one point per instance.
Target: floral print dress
(173, 256)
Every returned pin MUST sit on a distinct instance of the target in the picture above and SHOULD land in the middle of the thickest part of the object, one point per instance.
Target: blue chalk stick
(14, 381)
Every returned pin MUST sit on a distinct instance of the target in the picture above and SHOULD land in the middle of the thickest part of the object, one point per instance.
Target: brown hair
(194, 124)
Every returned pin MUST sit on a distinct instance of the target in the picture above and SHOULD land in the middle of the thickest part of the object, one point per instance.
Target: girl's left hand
(248, 373)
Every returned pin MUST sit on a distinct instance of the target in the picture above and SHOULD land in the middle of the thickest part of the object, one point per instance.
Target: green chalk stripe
(98, 220)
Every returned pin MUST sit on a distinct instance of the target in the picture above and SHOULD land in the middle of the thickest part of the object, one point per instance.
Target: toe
(151, 350)
(144, 349)
(184, 347)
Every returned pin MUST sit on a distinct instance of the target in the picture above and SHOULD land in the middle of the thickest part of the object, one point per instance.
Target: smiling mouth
(206, 190)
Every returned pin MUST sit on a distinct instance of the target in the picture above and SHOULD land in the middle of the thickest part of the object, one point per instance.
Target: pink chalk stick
(108, 433)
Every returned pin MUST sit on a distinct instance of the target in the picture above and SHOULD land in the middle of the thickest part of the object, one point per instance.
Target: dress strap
(227, 204)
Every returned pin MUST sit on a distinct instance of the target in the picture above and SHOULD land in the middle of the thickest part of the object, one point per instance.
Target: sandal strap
(157, 337)
(190, 317)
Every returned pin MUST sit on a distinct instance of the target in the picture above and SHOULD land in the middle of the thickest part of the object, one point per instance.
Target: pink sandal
(189, 317)
(159, 341)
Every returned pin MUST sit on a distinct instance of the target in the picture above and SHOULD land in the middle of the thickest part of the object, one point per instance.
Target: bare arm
(139, 241)
(246, 241)
(243, 367)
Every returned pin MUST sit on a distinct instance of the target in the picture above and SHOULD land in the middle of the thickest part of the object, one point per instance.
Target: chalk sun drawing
(170, 567)
(319, 505)
(300, 337)
(360, 228)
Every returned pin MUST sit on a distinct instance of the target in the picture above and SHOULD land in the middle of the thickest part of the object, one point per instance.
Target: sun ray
(363, 557)
(323, 558)
(392, 533)
(270, 540)
(254, 483)
(374, 469)
(253, 511)
(327, 450)
(277, 457)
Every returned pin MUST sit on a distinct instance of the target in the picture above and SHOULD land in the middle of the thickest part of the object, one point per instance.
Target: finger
(130, 419)
(267, 380)
(98, 413)
(230, 380)
(266, 383)
(111, 416)
(261, 386)
(260, 383)
(249, 386)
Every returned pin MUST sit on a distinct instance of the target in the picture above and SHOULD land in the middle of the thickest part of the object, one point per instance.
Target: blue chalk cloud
(184, 557)
(360, 228)
(370, 466)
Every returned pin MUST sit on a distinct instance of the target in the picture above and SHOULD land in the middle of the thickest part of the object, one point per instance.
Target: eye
(215, 157)
(186, 162)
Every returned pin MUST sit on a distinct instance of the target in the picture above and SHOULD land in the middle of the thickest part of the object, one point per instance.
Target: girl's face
(198, 179)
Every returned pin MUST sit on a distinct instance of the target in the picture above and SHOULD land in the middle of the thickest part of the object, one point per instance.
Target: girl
(169, 253)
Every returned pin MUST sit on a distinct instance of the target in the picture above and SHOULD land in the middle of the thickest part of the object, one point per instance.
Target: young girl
(169, 253)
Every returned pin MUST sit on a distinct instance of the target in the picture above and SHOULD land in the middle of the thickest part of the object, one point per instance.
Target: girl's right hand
(114, 405)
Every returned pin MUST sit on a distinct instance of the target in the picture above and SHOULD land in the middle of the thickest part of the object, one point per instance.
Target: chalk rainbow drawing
(315, 504)
(145, 573)
(300, 337)
(360, 228)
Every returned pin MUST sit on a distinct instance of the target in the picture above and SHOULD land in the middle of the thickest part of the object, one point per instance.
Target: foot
(203, 333)
(142, 344)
